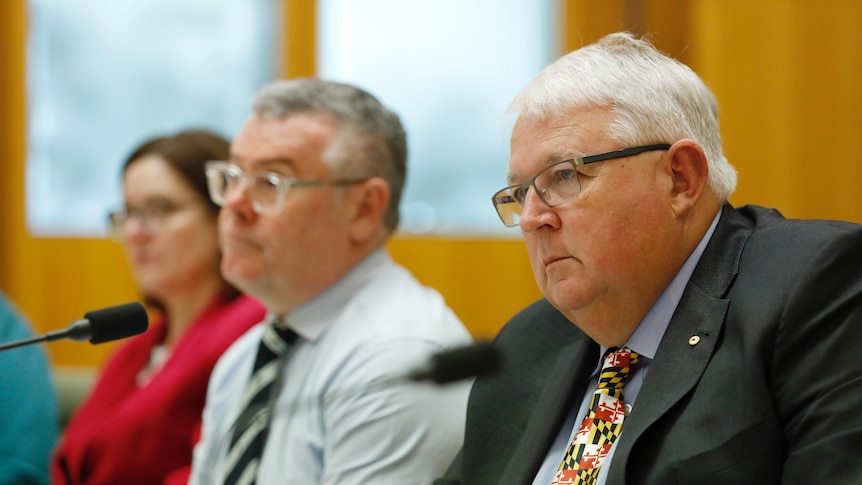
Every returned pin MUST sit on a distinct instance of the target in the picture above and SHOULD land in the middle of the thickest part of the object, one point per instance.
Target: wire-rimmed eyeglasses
(555, 184)
(266, 190)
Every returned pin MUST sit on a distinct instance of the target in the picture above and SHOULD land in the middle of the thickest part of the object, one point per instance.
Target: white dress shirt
(344, 414)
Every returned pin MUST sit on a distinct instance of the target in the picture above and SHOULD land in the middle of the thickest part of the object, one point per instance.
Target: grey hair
(654, 99)
(370, 143)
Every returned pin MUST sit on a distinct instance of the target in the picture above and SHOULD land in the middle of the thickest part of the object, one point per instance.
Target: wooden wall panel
(787, 75)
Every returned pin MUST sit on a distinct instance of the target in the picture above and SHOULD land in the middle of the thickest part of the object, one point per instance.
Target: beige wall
(787, 75)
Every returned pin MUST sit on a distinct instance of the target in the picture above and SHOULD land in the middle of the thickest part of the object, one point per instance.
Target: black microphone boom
(461, 363)
(97, 326)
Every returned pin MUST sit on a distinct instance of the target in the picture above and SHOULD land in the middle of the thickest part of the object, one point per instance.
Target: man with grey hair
(315, 394)
(680, 339)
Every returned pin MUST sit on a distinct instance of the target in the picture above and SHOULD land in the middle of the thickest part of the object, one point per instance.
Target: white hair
(654, 98)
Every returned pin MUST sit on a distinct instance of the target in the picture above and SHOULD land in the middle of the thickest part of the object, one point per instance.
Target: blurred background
(83, 81)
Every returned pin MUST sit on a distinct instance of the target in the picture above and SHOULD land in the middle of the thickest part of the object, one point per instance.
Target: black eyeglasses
(555, 184)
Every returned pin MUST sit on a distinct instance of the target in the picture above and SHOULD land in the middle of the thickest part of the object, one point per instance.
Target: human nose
(535, 213)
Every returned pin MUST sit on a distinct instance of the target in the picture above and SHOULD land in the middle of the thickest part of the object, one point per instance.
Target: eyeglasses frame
(284, 184)
(117, 219)
(496, 199)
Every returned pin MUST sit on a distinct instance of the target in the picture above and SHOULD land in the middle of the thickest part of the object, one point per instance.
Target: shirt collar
(648, 334)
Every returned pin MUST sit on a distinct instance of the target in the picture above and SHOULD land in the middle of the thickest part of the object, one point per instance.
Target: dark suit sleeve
(817, 363)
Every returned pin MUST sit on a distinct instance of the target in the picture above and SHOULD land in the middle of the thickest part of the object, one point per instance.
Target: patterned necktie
(250, 428)
(602, 424)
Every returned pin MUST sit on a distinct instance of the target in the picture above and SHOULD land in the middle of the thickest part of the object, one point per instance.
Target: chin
(236, 277)
(242, 276)
(567, 297)
(148, 285)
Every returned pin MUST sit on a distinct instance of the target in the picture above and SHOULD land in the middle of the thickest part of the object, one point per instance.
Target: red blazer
(125, 433)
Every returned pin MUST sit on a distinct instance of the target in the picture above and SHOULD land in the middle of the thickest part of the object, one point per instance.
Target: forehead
(295, 140)
(152, 175)
(539, 142)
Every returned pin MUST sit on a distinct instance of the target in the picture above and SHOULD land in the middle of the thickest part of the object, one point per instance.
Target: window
(450, 68)
(103, 76)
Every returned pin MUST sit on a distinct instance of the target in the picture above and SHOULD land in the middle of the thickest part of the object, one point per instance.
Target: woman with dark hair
(142, 419)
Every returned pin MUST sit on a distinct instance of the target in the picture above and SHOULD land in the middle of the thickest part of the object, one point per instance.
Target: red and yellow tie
(602, 424)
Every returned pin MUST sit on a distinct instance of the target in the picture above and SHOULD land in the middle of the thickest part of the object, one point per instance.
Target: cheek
(301, 235)
(531, 243)
(624, 244)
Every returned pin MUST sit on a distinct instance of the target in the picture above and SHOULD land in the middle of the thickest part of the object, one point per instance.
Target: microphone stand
(21, 343)
(48, 337)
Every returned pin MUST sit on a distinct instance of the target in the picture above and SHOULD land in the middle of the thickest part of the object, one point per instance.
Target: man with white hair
(680, 339)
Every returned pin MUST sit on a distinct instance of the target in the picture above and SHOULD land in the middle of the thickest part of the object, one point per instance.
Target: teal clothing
(28, 405)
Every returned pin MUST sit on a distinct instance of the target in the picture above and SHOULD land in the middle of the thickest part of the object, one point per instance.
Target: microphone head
(117, 322)
(461, 363)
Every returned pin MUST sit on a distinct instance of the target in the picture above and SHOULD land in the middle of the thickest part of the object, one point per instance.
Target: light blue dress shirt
(644, 341)
(344, 414)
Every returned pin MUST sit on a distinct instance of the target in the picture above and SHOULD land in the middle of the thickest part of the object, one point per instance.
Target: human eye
(229, 179)
(519, 193)
(265, 183)
(223, 177)
(562, 173)
(129, 211)
(159, 207)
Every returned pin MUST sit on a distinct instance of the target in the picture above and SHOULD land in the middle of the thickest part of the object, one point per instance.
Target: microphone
(460, 363)
(97, 326)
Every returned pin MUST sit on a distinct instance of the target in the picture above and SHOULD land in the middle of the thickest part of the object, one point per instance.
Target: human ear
(689, 171)
(368, 203)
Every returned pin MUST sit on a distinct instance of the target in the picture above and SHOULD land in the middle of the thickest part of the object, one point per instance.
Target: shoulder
(394, 305)
(797, 279)
(771, 229)
(12, 323)
(782, 246)
(390, 325)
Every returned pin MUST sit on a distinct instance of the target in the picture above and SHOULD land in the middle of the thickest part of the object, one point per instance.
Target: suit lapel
(565, 381)
(691, 336)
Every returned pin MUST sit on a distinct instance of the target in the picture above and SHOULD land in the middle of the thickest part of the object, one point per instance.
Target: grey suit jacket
(771, 393)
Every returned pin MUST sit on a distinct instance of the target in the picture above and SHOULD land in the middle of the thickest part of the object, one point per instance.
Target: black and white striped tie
(250, 428)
